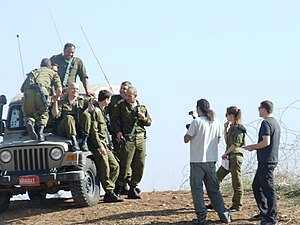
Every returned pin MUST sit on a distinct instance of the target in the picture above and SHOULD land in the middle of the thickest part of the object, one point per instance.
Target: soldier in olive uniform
(69, 67)
(128, 123)
(70, 112)
(107, 164)
(115, 101)
(37, 89)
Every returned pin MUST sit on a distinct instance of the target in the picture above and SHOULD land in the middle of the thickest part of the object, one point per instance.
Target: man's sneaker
(233, 209)
(209, 207)
(226, 217)
(257, 217)
(201, 221)
(112, 197)
(265, 222)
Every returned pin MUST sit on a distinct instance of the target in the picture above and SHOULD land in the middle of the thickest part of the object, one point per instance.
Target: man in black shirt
(263, 185)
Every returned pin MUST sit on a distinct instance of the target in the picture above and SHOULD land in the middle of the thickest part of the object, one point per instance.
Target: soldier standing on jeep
(37, 89)
(69, 67)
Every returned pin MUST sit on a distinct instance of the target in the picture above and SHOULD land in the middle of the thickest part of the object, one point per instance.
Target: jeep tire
(86, 192)
(4, 201)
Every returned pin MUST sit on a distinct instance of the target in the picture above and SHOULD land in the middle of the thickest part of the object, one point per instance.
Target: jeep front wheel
(86, 192)
(4, 201)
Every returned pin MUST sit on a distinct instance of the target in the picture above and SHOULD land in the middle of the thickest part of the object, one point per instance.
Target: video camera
(191, 113)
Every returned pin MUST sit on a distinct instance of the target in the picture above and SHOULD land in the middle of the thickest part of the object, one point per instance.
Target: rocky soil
(158, 208)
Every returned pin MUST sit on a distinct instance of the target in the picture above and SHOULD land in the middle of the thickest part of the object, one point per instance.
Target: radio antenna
(21, 58)
(55, 28)
(97, 59)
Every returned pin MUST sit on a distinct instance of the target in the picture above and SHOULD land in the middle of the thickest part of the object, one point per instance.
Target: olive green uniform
(108, 167)
(33, 107)
(77, 68)
(235, 135)
(73, 118)
(124, 119)
(115, 101)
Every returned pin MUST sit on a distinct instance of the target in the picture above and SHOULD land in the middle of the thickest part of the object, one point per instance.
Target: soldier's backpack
(30, 80)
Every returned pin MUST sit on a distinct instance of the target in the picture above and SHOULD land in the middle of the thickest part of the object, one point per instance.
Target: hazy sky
(174, 52)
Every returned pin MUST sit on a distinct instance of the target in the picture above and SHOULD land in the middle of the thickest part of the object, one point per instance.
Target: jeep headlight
(56, 154)
(5, 156)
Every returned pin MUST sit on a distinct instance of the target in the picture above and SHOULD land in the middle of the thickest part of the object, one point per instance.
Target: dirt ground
(158, 208)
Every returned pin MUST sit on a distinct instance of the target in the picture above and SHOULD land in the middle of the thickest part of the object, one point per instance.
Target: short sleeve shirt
(269, 154)
(205, 138)
(77, 68)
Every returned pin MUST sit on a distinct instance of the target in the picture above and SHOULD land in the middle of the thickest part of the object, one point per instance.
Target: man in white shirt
(204, 135)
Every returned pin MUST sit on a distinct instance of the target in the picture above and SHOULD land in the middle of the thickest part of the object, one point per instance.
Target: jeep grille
(32, 158)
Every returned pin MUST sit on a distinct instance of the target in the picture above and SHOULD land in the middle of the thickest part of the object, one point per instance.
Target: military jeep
(44, 167)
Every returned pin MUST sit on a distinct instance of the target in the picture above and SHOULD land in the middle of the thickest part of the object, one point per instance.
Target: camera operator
(204, 135)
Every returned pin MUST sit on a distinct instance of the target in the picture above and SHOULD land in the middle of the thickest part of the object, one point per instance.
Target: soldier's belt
(142, 134)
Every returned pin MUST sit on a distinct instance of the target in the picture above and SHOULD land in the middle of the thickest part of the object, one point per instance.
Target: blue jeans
(206, 172)
(263, 187)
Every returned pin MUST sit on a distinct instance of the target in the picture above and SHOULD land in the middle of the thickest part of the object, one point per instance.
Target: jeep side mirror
(3, 100)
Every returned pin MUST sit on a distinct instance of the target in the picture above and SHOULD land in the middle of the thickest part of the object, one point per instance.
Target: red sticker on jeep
(31, 180)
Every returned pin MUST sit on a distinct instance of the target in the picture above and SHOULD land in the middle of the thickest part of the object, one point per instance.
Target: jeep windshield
(15, 118)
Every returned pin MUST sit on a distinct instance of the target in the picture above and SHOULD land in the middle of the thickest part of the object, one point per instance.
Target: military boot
(75, 145)
(40, 133)
(132, 194)
(118, 190)
(112, 197)
(30, 129)
(84, 145)
(124, 190)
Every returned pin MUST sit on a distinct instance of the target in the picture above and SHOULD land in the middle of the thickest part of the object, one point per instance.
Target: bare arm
(58, 92)
(85, 85)
(55, 110)
(262, 144)
(229, 150)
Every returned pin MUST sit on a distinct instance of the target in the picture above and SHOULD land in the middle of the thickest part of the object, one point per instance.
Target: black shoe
(209, 207)
(112, 197)
(84, 145)
(40, 133)
(233, 209)
(138, 190)
(225, 217)
(118, 190)
(132, 194)
(75, 145)
(257, 217)
(268, 222)
(201, 221)
(30, 129)
(124, 190)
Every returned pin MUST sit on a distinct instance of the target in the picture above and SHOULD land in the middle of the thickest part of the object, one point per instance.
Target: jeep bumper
(45, 178)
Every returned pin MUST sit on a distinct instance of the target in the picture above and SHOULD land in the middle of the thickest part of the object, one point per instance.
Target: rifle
(38, 87)
(123, 144)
